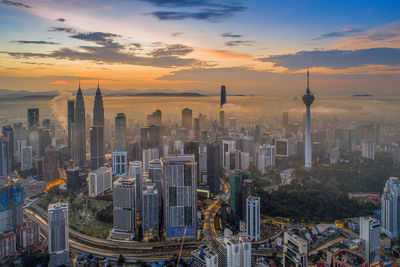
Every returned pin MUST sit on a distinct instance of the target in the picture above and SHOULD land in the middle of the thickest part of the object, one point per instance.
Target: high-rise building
(100, 181)
(213, 168)
(98, 109)
(150, 210)
(308, 99)
(368, 149)
(226, 147)
(155, 118)
(120, 162)
(149, 137)
(26, 158)
(234, 251)
(70, 121)
(50, 164)
(223, 96)
(196, 129)
(27, 234)
(222, 119)
(11, 208)
(124, 214)
(79, 144)
(390, 215)
(34, 142)
(75, 180)
(370, 232)
(96, 147)
(235, 200)
(266, 158)
(149, 155)
(44, 140)
(294, 251)
(180, 194)
(33, 118)
(120, 132)
(8, 133)
(136, 172)
(187, 118)
(4, 170)
(8, 244)
(253, 219)
(58, 234)
(285, 119)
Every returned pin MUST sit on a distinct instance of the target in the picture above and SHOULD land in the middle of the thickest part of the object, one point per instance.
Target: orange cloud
(228, 54)
(58, 82)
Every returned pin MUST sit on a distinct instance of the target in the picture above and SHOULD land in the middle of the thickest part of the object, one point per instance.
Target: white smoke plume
(58, 107)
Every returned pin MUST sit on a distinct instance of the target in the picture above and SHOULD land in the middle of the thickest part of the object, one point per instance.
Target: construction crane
(180, 251)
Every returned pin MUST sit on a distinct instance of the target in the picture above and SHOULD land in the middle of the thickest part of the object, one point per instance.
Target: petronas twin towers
(96, 131)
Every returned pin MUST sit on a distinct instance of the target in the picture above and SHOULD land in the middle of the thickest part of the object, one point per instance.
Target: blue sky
(171, 44)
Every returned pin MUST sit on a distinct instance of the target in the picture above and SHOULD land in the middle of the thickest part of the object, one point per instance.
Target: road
(212, 210)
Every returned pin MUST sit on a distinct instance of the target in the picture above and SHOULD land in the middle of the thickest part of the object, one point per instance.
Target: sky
(260, 47)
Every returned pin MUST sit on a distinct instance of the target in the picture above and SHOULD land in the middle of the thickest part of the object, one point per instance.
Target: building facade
(253, 219)
(58, 234)
(100, 181)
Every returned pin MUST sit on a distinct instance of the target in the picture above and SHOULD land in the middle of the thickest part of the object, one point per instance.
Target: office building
(155, 175)
(34, 142)
(308, 99)
(368, 149)
(100, 181)
(204, 256)
(149, 137)
(96, 147)
(58, 234)
(8, 133)
(150, 211)
(4, 170)
(26, 158)
(236, 178)
(370, 232)
(124, 214)
(253, 219)
(180, 194)
(223, 96)
(120, 162)
(70, 121)
(390, 215)
(285, 119)
(155, 118)
(136, 172)
(44, 140)
(226, 147)
(187, 118)
(294, 251)
(98, 109)
(149, 155)
(196, 129)
(50, 164)
(32, 118)
(266, 158)
(79, 133)
(120, 132)
(75, 180)
(234, 251)
(11, 205)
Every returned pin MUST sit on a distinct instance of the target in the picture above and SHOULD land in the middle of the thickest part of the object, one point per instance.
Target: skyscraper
(213, 168)
(4, 171)
(285, 119)
(58, 234)
(100, 181)
(223, 96)
(9, 135)
(70, 120)
(33, 118)
(96, 147)
(234, 251)
(390, 215)
(308, 99)
(196, 129)
(180, 194)
(98, 109)
(136, 172)
(368, 149)
(44, 140)
(120, 132)
(50, 164)
(26, 158)
(120, 162)
(150, 208)
(98, 121)
(187, 118)
(149, 137)
(149, 155)
(124, 215)
(370, 232)
(79, 144)
(253, 218)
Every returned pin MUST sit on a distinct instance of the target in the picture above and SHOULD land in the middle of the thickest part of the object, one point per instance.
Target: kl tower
(308, 99)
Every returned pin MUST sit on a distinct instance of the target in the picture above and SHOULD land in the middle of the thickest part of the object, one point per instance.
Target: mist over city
(199, 133)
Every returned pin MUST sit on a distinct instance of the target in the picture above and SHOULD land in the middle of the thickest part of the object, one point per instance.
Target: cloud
(35, 42)
(239, 42)
(101, 38)
(62, 29)
(228, 54)
(14, 3)
(198, 9)
(231, 35)
(337, 59)
(60, 20)
(172, 50)
(177, 34)
(338, 34)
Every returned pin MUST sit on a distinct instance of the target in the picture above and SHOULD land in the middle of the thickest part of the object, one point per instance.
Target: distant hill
(183, 94)
(362, 95)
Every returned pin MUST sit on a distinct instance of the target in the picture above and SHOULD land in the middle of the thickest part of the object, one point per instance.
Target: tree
(121, 260)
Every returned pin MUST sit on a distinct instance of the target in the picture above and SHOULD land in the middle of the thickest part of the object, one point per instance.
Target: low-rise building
(8, 244)
(27, 234)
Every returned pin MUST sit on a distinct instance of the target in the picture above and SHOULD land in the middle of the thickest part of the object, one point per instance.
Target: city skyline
(251, 47)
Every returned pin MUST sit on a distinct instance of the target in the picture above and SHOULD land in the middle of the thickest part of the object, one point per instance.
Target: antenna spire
(308, 80)
(98, 84)
(79, 86)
